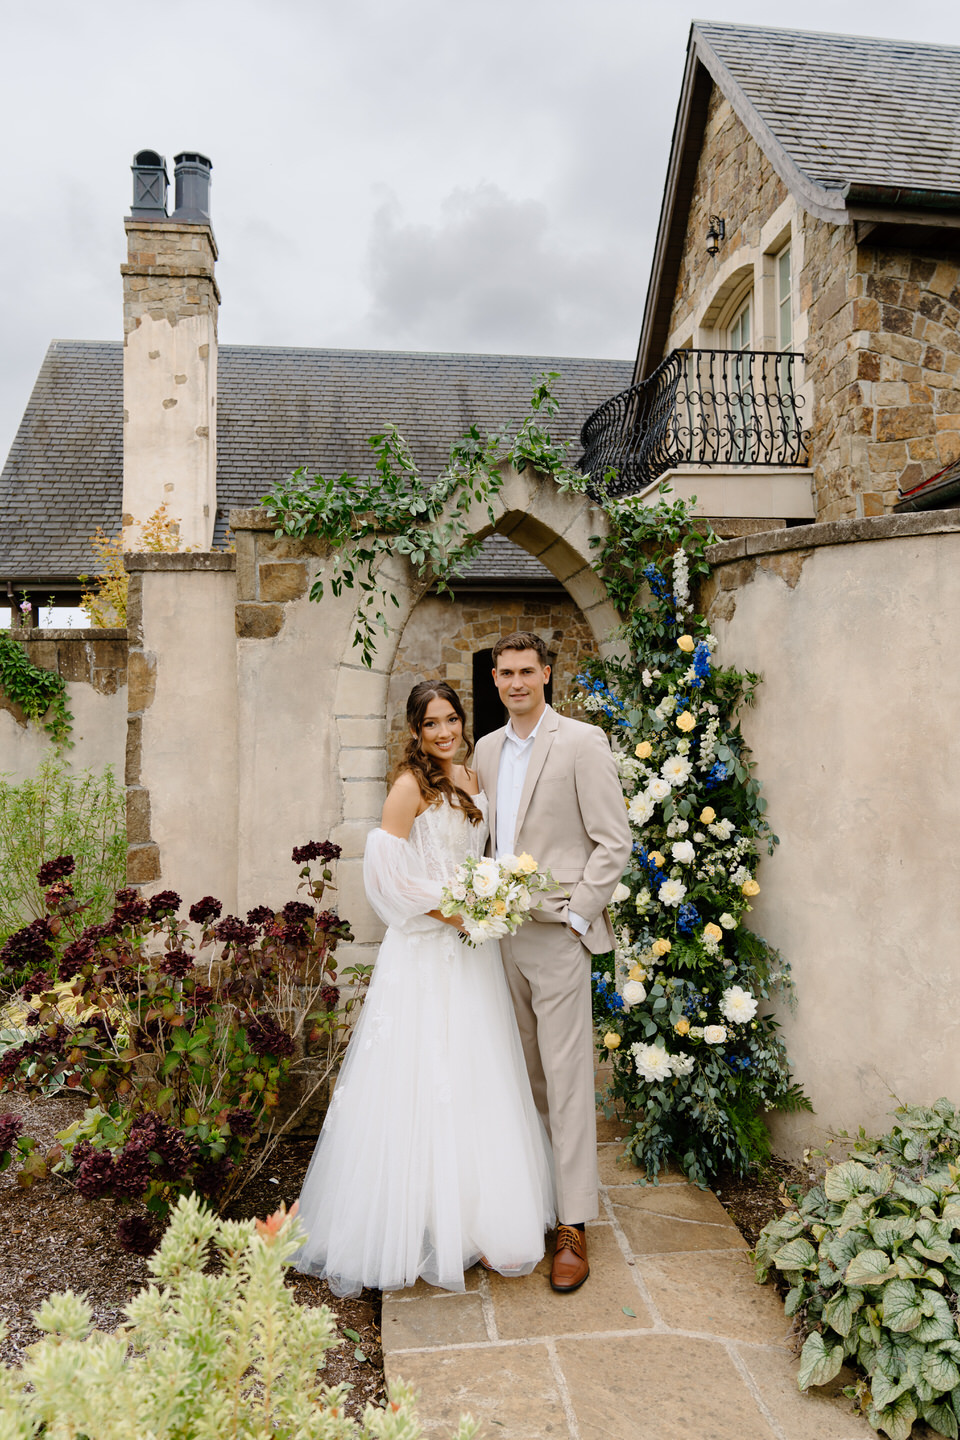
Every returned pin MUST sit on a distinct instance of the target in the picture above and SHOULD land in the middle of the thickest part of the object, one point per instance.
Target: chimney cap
(193, 157)
(192, 180)
(149, 186)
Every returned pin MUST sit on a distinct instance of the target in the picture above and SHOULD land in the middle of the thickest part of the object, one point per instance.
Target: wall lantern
(715, 234)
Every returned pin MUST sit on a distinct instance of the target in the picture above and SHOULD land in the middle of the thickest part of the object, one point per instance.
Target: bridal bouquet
(494, 896)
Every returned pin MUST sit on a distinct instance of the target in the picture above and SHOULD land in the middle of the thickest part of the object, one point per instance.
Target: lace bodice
(443, 837)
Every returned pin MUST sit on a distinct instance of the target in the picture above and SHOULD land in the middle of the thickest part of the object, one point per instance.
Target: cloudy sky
(406, 174)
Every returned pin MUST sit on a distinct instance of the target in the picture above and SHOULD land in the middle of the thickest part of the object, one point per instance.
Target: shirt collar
(511, 734)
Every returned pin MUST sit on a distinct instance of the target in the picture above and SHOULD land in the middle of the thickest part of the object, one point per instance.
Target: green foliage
(41, 694)
(53, 813)
(872, 1256)
(205, 1353)
(395, 511)
(683, 1007)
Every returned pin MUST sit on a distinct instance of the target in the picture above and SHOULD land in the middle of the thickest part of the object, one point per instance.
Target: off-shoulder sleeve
(397, 885)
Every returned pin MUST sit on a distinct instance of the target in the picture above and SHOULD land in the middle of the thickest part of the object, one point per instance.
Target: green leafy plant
(683, 1006)
(40, 694)
(187, 1058)
(51, 813)
(204, 1354)
(395, 511)
(872, 1258)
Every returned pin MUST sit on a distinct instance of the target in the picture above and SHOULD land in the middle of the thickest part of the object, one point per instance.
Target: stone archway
(553, 525)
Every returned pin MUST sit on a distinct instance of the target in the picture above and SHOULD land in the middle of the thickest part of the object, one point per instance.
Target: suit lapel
(541, 749)
(492, 772)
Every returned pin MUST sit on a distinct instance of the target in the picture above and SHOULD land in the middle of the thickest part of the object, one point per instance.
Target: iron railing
(699, 407)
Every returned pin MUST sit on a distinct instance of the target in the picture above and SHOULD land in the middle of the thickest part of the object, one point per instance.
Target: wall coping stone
(252, 519)
(199, 560)
(835, 532)
(88, 633)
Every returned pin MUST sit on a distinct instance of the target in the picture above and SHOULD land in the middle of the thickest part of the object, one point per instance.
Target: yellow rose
(499, 907)
(707, 815)
(687, 644)
(686, 721)
(656, 859)
(750, 887)
(612, 1040)
(712, 932)
(682, 1026)
(525, 864)
(644, 750)
(637, 972)
(661, 947)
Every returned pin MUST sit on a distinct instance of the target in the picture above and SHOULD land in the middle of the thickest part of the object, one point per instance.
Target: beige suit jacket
(572, 819)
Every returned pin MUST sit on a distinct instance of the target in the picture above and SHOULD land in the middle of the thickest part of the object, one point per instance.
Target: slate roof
(277, 409)
(858, 129)
(847, 109)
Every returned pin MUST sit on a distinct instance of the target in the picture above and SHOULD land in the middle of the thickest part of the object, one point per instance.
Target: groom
(555, 794)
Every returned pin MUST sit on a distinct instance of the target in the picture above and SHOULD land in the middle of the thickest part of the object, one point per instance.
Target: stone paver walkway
(669, 1339)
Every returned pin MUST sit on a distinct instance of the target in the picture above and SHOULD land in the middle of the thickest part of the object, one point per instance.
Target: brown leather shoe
(570, 1268)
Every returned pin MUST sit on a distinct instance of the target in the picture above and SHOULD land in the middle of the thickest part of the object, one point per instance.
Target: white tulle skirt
(432, 1153)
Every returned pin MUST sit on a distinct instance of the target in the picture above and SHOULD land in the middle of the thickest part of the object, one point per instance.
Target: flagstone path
(669, 1339)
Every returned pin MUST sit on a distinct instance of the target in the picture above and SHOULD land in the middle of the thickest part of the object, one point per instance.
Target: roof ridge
(729, 25)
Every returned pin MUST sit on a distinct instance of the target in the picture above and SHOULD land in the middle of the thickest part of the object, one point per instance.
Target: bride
(432, 1155)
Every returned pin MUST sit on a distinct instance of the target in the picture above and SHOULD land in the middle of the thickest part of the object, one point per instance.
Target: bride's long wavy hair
(434, 784)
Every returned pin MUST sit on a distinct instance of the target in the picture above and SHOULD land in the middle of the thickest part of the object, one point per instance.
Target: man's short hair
(521, 640)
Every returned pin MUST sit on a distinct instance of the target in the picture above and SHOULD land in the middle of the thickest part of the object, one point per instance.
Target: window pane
(785, 298)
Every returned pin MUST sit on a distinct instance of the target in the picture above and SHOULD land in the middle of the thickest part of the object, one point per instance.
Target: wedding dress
(432, 1153)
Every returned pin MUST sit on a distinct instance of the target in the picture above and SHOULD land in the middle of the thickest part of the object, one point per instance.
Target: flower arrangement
(494, 896)
(682, 1007)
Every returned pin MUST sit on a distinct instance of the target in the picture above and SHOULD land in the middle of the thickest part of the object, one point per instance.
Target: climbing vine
(41, 694)
(395, 511)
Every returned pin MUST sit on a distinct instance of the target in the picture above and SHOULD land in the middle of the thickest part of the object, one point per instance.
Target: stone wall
(854, 732)
(443, 635)
(94, 664)
(885, 352)
(736, 181)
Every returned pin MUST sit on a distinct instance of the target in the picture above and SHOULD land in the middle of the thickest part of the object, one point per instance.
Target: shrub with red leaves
(241, 1123)
(206, 909)
(81, 952)
(232, 931)
(296, 912)
(136, 1235)
(10, 1129)
(130, 909)
(316, 850)
(210, 1177)
(176, 964)
(266, 1037)
(53, 870)
(32, 946)
(261, 915)
(94, 1171)
(167, 902)
(330, 995)
(38, 982)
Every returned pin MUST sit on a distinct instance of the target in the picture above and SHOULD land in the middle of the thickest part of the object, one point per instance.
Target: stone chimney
(170, 303)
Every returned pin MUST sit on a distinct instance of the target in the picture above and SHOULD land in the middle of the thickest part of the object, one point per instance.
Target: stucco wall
(94, 665)
(855, 732)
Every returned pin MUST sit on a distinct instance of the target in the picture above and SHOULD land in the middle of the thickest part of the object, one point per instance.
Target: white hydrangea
(671, 892)
(658, 788)
(676, 770)
(696, 1032)
(642, 901)
(666, 707)
(738, 1005)
(683, 852)
(633, 993)
(652, 1062)
(739, 875)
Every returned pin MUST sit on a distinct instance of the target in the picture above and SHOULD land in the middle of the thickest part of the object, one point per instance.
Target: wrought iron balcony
(699, 407)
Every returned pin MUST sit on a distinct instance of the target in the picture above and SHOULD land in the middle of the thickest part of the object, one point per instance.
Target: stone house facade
(811, 209)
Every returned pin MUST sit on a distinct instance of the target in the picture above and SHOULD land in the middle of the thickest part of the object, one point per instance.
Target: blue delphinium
(688, 919)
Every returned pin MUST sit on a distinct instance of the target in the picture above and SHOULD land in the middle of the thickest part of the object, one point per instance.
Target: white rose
(486, 878)
(714, 1034)
(634, 993)
(683, 852)
(671, 892)
(620, 894)
(652, 1062)
(522, 902)
(658, 789)
(738, 1005)
(647, 678)
(640, 809)
(508, 864)
(727, 921)
(459, 892)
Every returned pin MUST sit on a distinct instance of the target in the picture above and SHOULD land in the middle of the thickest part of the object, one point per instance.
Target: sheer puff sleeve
(397, 885)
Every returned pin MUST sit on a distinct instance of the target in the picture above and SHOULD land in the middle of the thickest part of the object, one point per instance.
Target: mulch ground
(52, 1239)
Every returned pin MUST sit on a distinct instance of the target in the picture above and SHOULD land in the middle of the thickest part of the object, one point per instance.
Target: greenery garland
(38, 692)
(695, 1053)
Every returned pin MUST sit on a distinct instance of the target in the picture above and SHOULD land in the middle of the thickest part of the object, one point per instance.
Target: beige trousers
(548, 971)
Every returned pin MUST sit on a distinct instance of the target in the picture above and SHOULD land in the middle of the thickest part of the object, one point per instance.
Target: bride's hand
(455, 920)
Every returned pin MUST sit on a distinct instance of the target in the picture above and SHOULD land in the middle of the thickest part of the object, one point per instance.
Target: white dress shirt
(514, 764)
